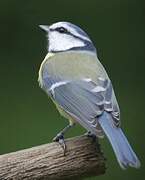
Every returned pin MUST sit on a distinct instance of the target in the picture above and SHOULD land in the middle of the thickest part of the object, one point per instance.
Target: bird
(74, 78)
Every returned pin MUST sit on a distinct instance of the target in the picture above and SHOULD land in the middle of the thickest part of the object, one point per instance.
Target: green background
(117, 28)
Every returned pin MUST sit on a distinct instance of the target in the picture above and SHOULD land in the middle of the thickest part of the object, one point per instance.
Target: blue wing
(82, 99)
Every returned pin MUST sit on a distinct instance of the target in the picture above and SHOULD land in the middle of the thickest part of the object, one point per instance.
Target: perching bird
(73, 77)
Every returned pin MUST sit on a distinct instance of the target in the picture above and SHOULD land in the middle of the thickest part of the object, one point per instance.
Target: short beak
(44, 27)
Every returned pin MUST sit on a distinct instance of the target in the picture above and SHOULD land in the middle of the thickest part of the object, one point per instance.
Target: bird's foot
(60, 139)
(90, 135)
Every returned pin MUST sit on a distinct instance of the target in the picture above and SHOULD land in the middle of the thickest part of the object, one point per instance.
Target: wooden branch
(83, 158)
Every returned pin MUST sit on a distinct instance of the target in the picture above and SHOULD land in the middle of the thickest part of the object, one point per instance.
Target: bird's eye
(61, 30)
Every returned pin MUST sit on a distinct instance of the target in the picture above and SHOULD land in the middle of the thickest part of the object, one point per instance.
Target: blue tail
(123, 151)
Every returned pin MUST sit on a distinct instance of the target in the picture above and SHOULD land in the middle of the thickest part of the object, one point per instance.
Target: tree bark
(83, 158)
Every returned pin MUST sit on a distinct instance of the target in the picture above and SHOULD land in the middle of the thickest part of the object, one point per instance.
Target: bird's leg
(60, 136)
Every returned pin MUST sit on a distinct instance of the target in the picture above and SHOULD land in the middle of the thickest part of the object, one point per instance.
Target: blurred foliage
(117, 28)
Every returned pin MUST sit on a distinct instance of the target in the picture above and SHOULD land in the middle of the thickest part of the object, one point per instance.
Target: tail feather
(123, 151)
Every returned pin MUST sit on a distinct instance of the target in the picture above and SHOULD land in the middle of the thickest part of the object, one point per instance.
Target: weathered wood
(83, 158)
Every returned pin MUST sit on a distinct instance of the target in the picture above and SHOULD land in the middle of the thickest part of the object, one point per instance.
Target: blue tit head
(65, 36)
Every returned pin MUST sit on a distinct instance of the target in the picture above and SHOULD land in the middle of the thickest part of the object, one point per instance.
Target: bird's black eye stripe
(61, 30)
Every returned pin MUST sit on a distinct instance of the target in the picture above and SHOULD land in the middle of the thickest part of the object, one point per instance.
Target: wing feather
(83, 99)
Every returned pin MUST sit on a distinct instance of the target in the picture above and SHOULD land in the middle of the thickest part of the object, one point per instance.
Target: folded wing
(83, 99)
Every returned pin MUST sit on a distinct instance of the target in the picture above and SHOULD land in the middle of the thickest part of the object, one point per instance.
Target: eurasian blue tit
(73, 77)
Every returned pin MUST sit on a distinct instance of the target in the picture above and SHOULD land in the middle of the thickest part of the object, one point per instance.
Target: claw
(93, 136)
(60, 139)
(63, 145)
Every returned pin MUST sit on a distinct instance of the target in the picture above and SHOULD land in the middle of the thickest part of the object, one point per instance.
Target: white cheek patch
(73, 29)
(62, 42)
